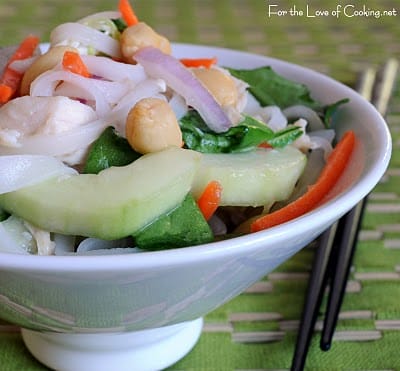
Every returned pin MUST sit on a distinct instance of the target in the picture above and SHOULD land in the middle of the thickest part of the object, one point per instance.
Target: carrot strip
(265, 145)
(332, 171)
(199, 62)
(73, 62)
(11, 79)
(127, 12)
(210, 199)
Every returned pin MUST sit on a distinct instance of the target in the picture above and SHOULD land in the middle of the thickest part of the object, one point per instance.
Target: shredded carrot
(6, 92)
(11, 79)
(127, 12)
(210, 199)
(332, 171)
(199, 62)
(265, 145)
(73, 62)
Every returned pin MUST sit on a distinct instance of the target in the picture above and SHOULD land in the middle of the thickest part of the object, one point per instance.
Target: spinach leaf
(329, 111)
(272, 89)
(109, 149)
(247, 135)
(120, 24)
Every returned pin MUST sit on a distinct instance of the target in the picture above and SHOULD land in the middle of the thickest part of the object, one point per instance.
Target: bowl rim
(226, 248)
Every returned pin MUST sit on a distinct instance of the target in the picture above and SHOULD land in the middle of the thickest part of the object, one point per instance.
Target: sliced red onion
(163, 66)
(87, 36)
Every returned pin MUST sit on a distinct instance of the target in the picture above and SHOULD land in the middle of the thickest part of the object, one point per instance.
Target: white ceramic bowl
(144, 311)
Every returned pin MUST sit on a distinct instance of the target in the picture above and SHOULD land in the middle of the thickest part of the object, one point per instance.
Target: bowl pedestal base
(145, 350)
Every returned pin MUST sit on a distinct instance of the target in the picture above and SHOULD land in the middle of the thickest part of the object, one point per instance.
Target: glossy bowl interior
(118, 293)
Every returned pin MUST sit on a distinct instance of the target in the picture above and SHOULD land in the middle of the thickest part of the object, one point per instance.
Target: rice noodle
(63, 244)
(322, 139)
(46, 84)
(112, 91)
(273, 117)
(109, 69)
(145, 89)
(178, 105)
(59, 144)
(304, 112)
(101, 15)
(25, 170)
(21, 65)
(8, 243)
(87, 36)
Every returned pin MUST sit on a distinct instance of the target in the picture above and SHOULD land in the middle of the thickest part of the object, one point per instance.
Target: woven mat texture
(257, 330)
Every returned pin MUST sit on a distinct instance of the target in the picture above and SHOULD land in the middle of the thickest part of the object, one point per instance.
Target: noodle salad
(111, 144)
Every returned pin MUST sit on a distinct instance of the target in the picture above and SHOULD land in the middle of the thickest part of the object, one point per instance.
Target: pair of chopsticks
(336, 246)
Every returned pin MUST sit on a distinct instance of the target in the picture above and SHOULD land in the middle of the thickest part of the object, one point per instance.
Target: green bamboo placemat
(257, 330)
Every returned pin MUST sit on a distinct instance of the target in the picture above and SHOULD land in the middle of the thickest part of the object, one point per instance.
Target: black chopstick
(323, 266)
(350, 224)
(314, 295)
(334, 255)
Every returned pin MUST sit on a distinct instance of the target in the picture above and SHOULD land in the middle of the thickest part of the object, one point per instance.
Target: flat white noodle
(21, 65)
(20, 171)
(112, 91)
(271, 115)
(178, 105)
(322, 139)
(87, 36)
(145, 89)
(63, 244)
(300, 111)
(46, 84)
(101, 15)
(59, 144)
(90, 244)
(109, 69)
(8, 244)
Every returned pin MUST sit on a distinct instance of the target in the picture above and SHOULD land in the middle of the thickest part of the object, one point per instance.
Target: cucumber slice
(254, 178)
(113, 204)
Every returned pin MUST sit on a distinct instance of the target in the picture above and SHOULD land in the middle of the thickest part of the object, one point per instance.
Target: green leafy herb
(247, 135)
